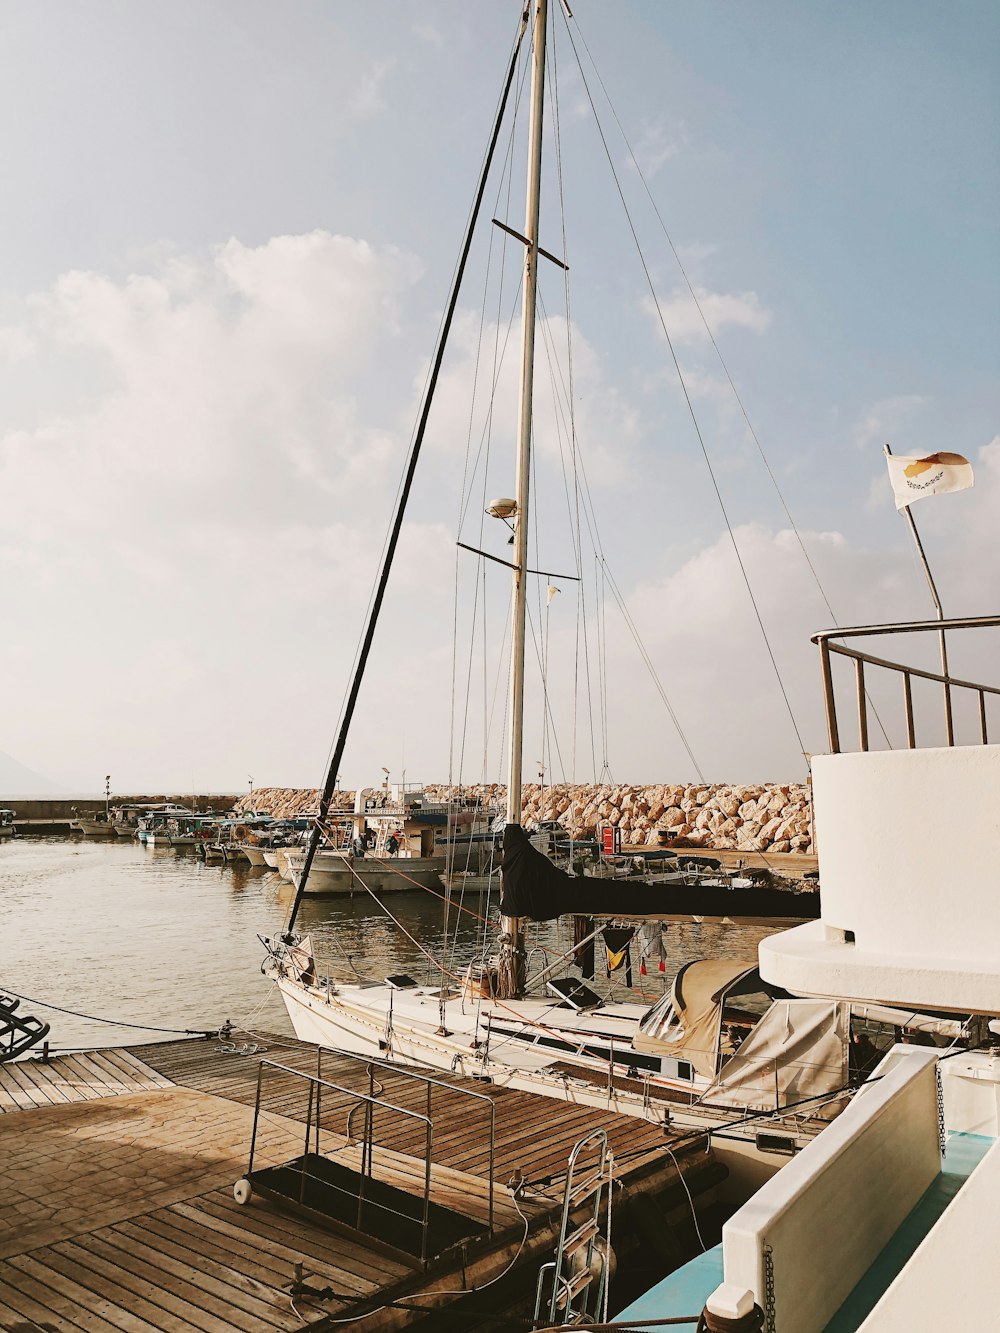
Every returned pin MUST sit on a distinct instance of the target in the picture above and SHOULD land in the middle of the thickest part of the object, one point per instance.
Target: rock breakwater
(761, 817)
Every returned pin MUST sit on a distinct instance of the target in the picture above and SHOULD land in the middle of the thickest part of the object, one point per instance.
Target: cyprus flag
(913, 478)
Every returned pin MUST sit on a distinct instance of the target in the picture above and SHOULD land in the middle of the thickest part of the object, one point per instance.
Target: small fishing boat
(152, 821)
(97, 825)
(397, 841)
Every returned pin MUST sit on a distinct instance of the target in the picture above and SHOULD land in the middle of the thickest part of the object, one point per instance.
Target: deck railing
(828, 647)
(414, 1079)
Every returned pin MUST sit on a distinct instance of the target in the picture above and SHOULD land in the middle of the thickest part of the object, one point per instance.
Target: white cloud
(368, 99)
(721, 310)
(885, 419)
(15, 345)
(197, 494)
(655, 145)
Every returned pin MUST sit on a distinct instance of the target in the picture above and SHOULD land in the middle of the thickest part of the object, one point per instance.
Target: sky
(227, 237)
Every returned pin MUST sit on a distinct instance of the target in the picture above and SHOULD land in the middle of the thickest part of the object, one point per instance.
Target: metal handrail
(391, 1067)
(370, 1102)
(827, 647)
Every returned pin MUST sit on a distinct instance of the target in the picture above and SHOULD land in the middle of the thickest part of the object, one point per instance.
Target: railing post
(859, 668)
(831, 704)
(911, 735)
(305, 1148)
(427, 1191)
(982, 716)
(948, 722)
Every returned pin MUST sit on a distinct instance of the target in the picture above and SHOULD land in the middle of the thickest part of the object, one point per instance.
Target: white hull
(255, 855)
(272, 859)
(94, 828)
(336, 874)
(496, 1041)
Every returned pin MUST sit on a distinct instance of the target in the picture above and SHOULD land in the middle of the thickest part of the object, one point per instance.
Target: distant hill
(16, 780)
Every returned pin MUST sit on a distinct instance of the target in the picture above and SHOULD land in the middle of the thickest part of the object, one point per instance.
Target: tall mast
(524, 422)
(512, 979)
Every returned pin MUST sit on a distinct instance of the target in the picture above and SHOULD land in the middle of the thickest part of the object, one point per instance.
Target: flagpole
(949, 727)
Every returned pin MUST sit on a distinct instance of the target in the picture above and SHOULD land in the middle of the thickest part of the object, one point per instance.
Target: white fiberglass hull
(530, 1044)
(333, 873)
(95, 828)
(255, 855)
(357, 1018)
(498, 1041)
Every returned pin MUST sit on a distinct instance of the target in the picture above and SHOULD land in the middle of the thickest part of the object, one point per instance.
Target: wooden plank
(41, 1307)
(21, 1100)
(176, 1291)
(235, 1251)
(99, 1077)
(159, 1307)
(118, 1077)
(58, 1280)
(225, 1289)
(39, 1090)
(77, 1079)
(275, 1227)
(40, 1074)
(129, 1063)
(67, 1312)
(13, 1319)
(293, 1249)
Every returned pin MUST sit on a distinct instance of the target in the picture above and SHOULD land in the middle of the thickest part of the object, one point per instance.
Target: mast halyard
(511, 971)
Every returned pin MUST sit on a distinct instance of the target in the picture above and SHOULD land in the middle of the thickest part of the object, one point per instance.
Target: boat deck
(118, 1210)
(686, 1290)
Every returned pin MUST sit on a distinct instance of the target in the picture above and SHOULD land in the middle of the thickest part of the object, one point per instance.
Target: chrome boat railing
(828, 648)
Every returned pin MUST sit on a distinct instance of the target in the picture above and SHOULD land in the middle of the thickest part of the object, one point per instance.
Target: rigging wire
(689, 404)
(579, 471)
(722, 361)
(406, 483)
(575, 525)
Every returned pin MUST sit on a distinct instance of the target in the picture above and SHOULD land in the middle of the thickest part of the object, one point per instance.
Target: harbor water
(159, 938)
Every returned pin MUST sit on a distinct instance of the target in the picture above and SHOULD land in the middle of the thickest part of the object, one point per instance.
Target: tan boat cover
(686, 1023)
(798, 1050)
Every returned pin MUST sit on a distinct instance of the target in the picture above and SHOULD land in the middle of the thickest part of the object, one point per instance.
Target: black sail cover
(533, 887)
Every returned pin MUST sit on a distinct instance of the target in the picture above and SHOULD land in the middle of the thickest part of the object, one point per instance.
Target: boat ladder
(575, 1281)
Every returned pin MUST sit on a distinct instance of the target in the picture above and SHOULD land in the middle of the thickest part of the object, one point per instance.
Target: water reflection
(159, 937)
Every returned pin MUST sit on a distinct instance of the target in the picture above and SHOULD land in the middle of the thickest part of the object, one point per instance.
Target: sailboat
(552, 1033)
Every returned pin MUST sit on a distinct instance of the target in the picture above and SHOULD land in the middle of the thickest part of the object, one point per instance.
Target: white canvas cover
(798, 1049)
(302, 961)
(686, 1023)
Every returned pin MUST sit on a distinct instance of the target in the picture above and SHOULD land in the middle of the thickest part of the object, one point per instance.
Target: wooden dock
(117, 1213)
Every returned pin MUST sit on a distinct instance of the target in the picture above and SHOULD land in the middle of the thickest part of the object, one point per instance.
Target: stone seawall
(752, 817)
